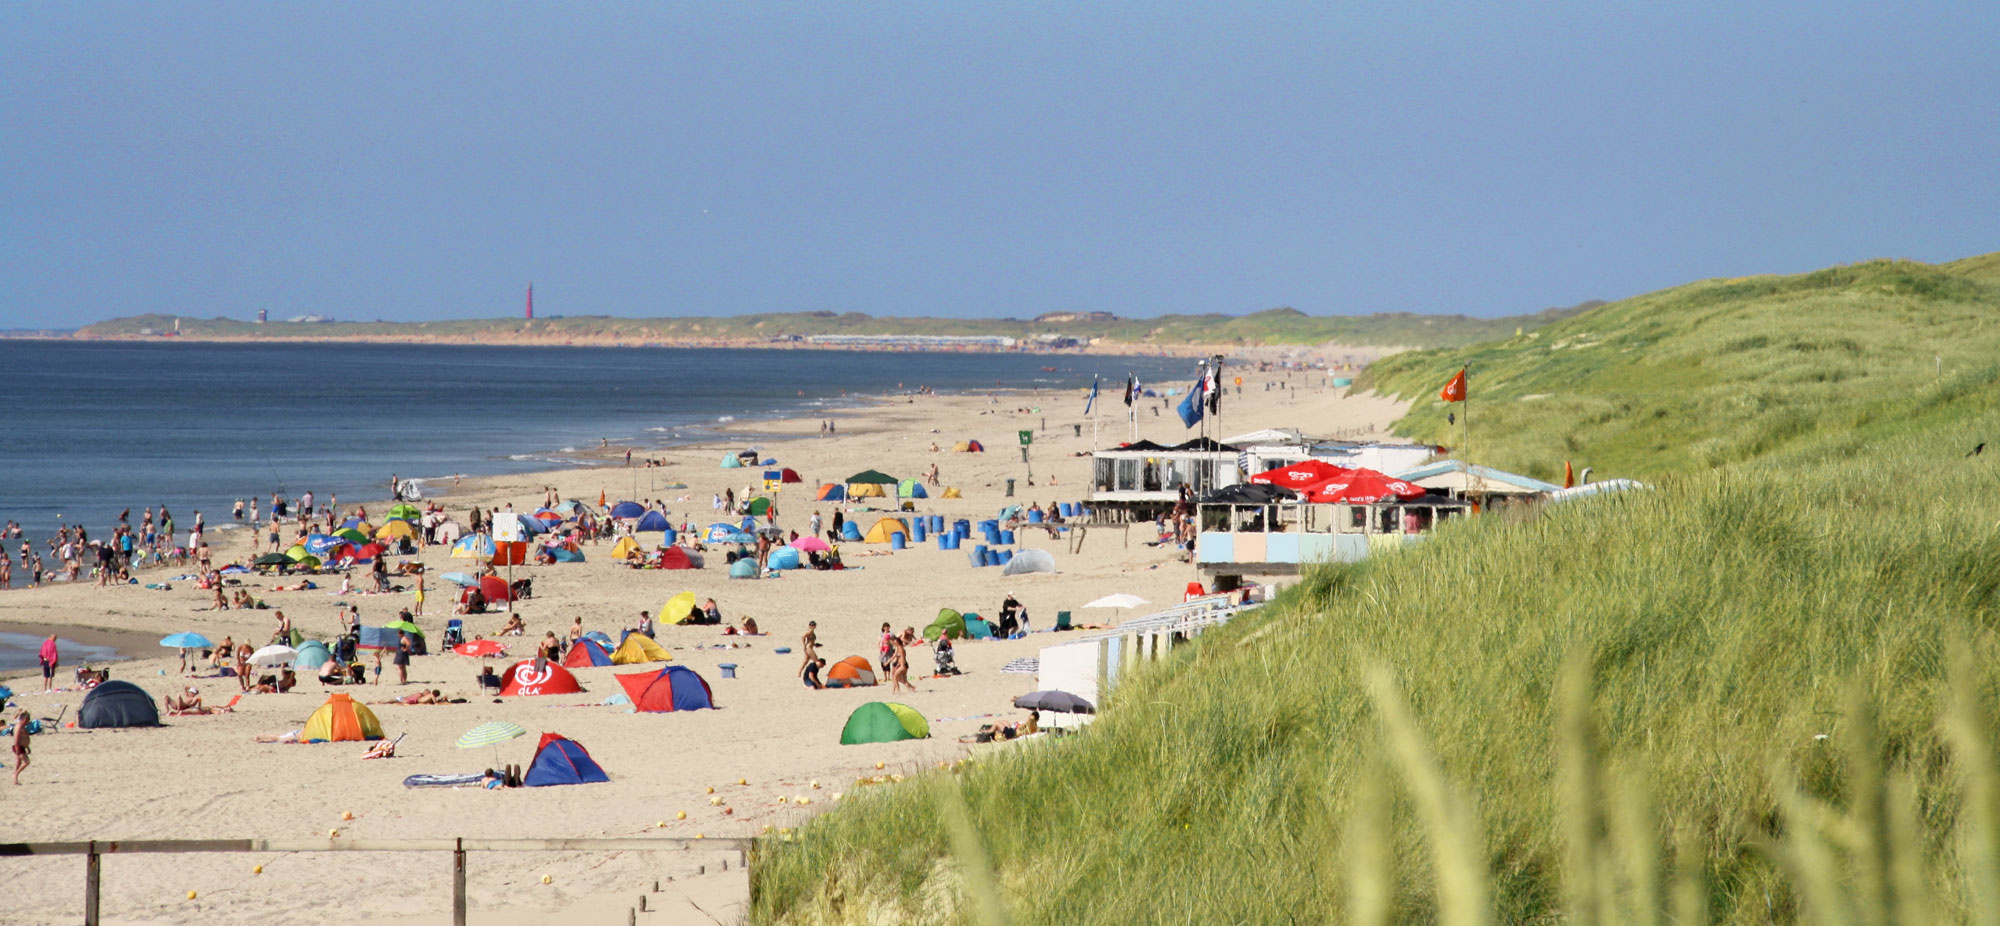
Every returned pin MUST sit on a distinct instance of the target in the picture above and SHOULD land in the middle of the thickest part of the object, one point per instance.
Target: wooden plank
(171, 846)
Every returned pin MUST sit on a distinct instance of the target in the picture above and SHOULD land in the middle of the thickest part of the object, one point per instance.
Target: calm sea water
(93, 428)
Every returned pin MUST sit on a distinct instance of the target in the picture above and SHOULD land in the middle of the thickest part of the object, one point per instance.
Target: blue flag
(1092, 398)
(1191, 408)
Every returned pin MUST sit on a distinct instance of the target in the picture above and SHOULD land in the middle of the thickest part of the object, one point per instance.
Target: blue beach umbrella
(186, 640)
(322, 544)
(460, 579)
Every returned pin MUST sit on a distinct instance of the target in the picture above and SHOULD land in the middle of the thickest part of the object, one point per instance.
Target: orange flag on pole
(1454, 391)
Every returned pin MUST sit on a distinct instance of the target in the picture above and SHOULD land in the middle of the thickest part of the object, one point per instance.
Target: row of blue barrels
(982, 555)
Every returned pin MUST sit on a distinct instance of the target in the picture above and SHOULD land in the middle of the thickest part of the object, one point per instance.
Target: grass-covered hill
(1273, 327)
(1730, 698)
(1715, 372)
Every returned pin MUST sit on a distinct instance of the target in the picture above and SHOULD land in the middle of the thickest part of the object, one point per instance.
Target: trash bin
(728, 669)
(1010, 488)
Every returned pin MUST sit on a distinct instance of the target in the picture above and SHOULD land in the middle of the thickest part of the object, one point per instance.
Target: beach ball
(680, 814)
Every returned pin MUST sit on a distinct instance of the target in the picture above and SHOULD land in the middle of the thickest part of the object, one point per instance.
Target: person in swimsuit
(20, 745)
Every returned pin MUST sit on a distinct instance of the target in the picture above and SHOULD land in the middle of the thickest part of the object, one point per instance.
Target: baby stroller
(454, 632)
(522, 588)
(947, 663)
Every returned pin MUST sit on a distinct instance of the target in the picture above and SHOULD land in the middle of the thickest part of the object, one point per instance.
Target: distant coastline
(1052, 333)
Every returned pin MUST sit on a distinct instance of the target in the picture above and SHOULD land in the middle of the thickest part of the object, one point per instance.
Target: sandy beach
(204, 777)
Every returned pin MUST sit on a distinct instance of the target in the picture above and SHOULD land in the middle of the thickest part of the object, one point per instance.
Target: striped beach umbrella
(490, 733)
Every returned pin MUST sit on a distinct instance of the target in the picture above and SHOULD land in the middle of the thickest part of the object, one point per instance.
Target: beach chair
(454, 632)
(1062, 620)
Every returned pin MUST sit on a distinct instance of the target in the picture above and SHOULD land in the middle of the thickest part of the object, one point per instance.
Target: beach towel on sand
(444, 781)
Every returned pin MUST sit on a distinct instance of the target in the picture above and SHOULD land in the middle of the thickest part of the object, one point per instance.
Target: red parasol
(1365, 487)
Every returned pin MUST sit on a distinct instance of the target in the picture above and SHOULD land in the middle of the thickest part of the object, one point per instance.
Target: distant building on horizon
(531, 300)
(262, 316)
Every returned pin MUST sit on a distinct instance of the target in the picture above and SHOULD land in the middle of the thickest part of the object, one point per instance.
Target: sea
(93, 428)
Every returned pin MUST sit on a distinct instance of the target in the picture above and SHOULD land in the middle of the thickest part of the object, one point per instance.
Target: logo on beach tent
(525, 679)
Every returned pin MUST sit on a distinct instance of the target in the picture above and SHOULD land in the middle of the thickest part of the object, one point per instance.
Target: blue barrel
(1034, 516)
(1006, 556)
(919, 533)
(962, 527)
(1006, 538)
(990, 524)
(979, 553)
(896, 541)
(670, 536)
(944, 541)
(937, 523)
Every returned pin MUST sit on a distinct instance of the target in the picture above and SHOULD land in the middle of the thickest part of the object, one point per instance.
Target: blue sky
(411, 161)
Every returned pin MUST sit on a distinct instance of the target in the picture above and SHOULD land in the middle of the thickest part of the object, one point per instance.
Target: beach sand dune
(204, 777)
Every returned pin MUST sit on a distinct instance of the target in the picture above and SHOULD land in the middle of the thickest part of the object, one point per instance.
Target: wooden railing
(94, 851)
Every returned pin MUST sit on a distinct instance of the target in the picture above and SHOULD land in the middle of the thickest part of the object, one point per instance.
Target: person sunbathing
(432, 696)
(289, 736)
(514, 627)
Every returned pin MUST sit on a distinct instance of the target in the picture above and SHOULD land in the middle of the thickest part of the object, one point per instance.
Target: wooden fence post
(458, 883)
(92, 874)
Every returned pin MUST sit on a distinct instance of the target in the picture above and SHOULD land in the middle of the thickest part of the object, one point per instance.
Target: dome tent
(340, 720)
(1027, 561)
(560, 760)
(884, 722)
(525, 679)
(587, 653)
(674, 688)
(117, 704)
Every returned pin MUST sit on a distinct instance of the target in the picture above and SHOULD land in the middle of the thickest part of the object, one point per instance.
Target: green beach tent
(731, 462)
(405, 512)
(758, 506)
(949, 623)
(883, 722)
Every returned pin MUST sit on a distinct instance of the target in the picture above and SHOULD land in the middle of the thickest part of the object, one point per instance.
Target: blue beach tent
(627, 510)
(560, 760)
(652, 521)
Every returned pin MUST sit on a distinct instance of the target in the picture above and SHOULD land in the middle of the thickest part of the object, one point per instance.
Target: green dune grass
(1759, 692)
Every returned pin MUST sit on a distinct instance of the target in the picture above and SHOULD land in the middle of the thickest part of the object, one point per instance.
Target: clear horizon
(424, 163)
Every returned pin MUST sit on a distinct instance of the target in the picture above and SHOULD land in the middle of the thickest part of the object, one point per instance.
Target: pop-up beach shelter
(732, 462)
(627, 510)
(852, 672)
(788, 476)
(341, 719)
(884, 722)
(623, 548)
(495, 588)
(971, 446)
(949, 623)
(869, 483)
(1027, 561)
(910, 488)
(565, 554)
(745, 568)
(560, 760)
(886, 526)
(831, 492)
(525, 680)
(117, 704)
(397, 530)
(677, 558)
(652, 521)
(757, 507)
(587, 653)
(976, 628)
(783, 558)
(312, 655)
(638, 648)
(674, 688)
(472, 546)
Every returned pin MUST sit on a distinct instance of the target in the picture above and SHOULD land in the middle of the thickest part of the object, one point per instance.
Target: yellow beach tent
(865, 490)
(341, 719)
(397, 530)
(951, 492)
(638, 648)
(884, 527)
(624, 548)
